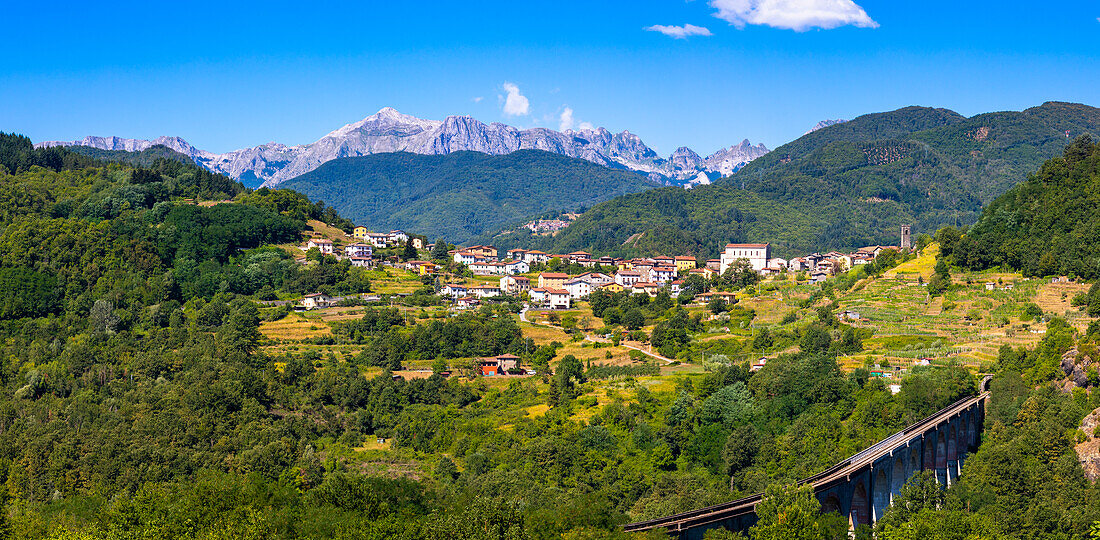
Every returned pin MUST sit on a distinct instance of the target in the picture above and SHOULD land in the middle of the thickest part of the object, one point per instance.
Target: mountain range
(463, 194)
(842, 186)
(390, 131)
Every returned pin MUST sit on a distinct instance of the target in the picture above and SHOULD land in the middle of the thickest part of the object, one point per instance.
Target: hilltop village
(556, 281)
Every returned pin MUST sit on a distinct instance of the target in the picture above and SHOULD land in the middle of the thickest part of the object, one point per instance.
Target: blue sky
(230, 75)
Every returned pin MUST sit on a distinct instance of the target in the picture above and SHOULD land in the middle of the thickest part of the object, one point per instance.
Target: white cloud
(680, 32)
(478, 99)
(515, 104)
(797, 15)
(566, 120)
(586, 126)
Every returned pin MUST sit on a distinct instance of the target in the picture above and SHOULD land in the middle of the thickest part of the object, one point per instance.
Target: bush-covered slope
(1047, 225)
(463, 194)
(846, 185)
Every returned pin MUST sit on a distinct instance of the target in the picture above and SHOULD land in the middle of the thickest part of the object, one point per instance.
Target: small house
(558, 299)
(316, 301)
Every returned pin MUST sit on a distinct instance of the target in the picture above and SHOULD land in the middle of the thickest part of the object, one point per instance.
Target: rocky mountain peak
(389, 130)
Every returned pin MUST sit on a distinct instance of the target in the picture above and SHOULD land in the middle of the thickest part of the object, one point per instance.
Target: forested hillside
(144, 158)
(1048, 225)
(461, 195)
(844, 186)
(139, 398)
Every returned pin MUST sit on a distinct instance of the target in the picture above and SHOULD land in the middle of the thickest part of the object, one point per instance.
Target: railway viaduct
(862, 486)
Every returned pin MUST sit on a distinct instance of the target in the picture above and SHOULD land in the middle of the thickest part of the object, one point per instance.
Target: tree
(815, 339)
(729, 405)
(740, 449)
(921, 491)
(439, 250)
(241, 331)
(633, 319)
(409, 253)
(741, 274)
(446, 470)
(790, 512)
(716, 305)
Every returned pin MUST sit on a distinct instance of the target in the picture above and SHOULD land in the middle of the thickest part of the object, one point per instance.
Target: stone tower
(906, 241)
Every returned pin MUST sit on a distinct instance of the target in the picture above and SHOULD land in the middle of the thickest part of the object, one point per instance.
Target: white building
(453, 291)
(578, 288)
(485, 291)
(316, 300)
(662, 274)
(756, 254)
(322, 245)
(515, 284)
(627, 278)
(558, 299)
(358, 249)
(539, 295)
(482, 267)
(534, 257)
(515, 267)
(378, 239)
(465, 257)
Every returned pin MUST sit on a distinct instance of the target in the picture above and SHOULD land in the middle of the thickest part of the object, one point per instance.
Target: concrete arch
(952, 442)
(899, 474)
(971, 429)
(928, 444)
(880, 493)
(941, 456)
(952, 452)
(914, 461)
(831, 504)
(860, 513)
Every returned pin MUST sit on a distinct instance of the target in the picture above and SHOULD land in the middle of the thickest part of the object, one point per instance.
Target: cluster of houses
(359, 253)
(637, 276)
(819, 266)
(546, 225)
(385, 240)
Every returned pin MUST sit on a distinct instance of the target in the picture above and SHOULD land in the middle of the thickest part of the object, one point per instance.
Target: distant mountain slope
(462, 194)
(1048, 225)
(845, 185)
(390, 131)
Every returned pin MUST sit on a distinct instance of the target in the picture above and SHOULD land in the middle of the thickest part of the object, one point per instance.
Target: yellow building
(612, 287)
(552, 280)
(360, 232)
(684, 264)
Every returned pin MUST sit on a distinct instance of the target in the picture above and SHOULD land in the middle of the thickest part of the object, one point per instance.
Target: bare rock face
(390, 131)
(1088, 452)
(824, 124)
(729, 160)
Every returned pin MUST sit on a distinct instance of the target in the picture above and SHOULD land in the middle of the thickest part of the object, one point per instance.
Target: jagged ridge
(390, 131)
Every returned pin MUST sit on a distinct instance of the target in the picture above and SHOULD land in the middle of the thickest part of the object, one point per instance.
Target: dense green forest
(464, 194)
(144, 158)
(1048, 225)
(136, 400)
(845, 186)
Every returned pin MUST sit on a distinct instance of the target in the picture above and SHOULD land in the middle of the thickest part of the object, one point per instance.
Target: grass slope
(460, 195)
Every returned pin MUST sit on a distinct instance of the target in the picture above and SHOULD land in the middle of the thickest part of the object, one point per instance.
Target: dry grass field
(294, 326)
